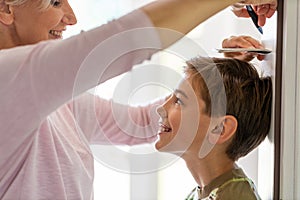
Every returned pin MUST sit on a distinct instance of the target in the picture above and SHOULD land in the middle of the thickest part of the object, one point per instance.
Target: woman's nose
(69, 18)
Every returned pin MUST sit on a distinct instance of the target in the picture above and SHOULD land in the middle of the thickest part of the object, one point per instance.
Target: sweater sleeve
(67, 69)
(38, 79)
(106, 122)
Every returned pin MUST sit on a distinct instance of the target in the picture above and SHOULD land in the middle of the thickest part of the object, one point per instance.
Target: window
(171, 180)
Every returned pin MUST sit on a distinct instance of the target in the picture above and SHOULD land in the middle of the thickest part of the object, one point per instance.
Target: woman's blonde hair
(43, 4)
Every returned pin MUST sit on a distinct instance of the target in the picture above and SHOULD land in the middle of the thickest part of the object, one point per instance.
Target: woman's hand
(263, 8)
(242, 42)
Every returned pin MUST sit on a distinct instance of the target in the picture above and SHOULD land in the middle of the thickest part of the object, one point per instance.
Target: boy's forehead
(185, 85)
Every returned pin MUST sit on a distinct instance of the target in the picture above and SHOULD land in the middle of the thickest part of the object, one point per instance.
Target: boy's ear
(223, 131)
(6, 15)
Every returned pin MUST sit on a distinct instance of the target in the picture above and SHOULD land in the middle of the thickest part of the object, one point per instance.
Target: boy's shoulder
(231, 185)
(236, 188)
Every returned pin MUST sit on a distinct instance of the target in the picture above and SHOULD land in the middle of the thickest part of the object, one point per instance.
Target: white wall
(290, 138)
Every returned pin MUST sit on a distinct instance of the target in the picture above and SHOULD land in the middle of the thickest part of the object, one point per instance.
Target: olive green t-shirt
(231, 185)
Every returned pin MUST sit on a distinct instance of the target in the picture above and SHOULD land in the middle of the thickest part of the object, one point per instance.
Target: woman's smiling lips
(56, 33)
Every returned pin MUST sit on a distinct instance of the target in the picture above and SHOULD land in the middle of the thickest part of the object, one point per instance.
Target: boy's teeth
(163, 129)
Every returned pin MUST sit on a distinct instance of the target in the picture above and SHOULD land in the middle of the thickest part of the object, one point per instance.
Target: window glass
(174, 181)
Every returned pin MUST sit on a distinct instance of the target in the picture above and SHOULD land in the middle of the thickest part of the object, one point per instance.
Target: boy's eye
(178, 101)
(55, 3)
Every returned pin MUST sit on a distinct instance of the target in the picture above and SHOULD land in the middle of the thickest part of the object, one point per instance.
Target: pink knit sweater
(46, 120)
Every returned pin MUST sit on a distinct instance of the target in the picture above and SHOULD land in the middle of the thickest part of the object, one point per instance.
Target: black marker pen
(254, 18)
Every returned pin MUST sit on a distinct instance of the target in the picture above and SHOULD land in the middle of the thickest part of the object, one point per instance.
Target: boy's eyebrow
(177, 91)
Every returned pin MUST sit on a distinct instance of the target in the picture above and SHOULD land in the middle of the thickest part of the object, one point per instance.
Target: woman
(233, 110)
(45, 133)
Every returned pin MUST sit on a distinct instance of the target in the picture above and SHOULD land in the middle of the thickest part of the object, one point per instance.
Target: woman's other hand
(242, 42)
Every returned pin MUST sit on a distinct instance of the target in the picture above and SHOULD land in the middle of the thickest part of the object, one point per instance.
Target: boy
(220, 112)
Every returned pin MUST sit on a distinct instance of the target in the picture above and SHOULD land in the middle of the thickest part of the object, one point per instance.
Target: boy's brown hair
(248, 98)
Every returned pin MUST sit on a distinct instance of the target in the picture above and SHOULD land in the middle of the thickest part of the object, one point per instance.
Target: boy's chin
(168, 149)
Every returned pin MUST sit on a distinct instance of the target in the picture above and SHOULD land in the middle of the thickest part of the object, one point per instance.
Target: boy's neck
(206, 170)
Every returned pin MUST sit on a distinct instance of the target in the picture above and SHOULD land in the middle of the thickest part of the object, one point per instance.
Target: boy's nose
(161, 111)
